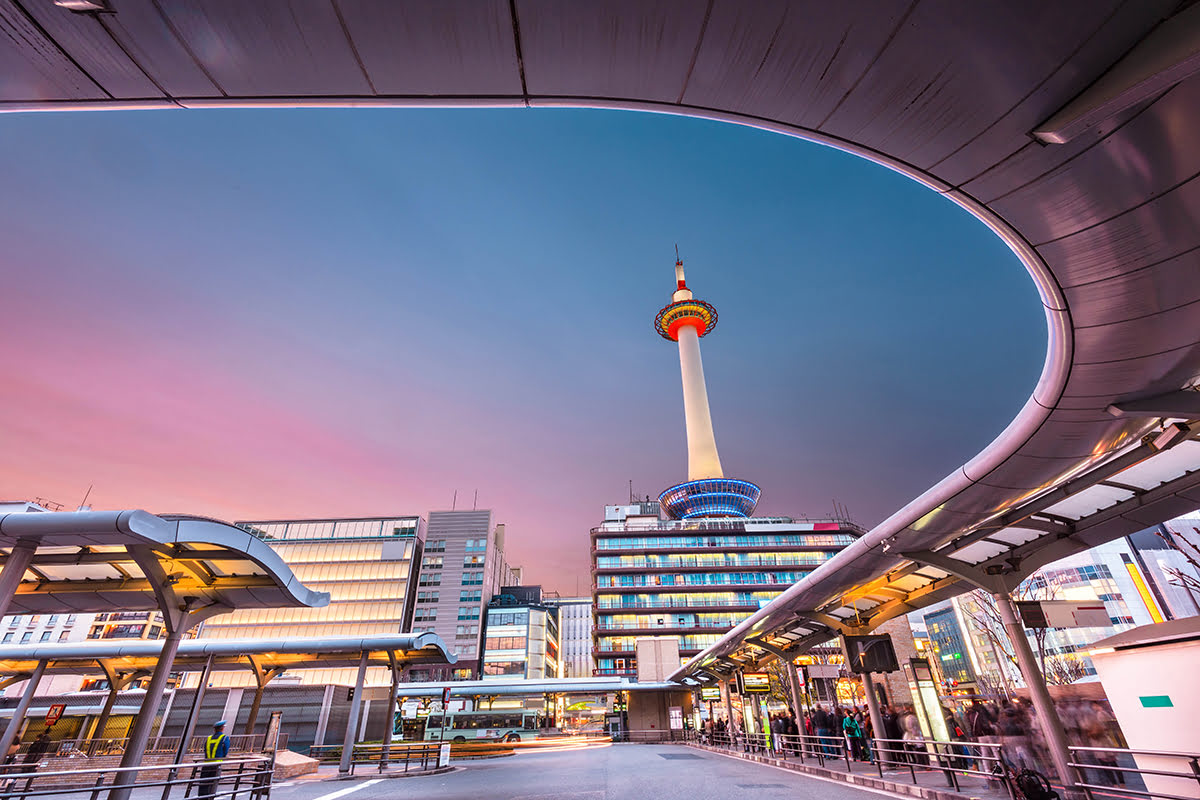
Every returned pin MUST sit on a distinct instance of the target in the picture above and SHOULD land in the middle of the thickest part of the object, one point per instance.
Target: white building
(575, 634)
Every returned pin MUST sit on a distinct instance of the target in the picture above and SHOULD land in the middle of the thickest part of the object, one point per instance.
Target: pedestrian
(216, 748)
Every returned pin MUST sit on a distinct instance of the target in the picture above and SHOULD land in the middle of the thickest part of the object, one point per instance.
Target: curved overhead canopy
(959, 98)
(82, 658)
(94, 561)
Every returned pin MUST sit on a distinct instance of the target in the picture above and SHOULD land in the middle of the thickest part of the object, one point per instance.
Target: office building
(462, 568)
(521, 637)
(575, 626)
(368, 566)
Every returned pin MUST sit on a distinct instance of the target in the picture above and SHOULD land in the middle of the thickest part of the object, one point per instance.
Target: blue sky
(351, 312)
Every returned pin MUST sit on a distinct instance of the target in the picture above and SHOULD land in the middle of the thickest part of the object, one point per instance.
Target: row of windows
(471, 612)
(437, 562)
(464, 596)
(381, 609)
(504, 668)
(699, 579)
(686, 600)
(435, 546)
(425, 615)
(51, 620)
(341, 552)
(631, 621)
(508, 617)
(333, 529)
(28, 635)
(653, 561)
(465, 630)
(464, 649)
(691, 641)
(476, 545)
(472, 578)
(505, 643)
(689, 542)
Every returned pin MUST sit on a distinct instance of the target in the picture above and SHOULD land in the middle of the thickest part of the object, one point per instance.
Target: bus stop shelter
(187, 568)
(125, 661)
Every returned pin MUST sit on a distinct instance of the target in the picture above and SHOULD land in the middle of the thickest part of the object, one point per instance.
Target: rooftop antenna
(631, 491)
(83, 502)
(475, 502)
(454, 502)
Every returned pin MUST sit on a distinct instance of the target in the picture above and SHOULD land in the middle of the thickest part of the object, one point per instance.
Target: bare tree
(1189, 547)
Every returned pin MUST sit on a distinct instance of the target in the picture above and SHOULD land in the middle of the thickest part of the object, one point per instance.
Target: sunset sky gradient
(310, 313)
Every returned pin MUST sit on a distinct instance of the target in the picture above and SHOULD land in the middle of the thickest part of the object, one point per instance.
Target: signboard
(54, 714)
(271, 740)
(445, 696)
(1063, 614)
(676, 715)
(866, 654)
(756, 682)
(824, 671)
(710, 693)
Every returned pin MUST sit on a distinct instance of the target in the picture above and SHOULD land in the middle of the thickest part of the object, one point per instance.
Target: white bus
(494, 726)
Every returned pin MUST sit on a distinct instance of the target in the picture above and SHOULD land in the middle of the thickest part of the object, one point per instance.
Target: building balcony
(693, 587)
(692, 564)
(633, 626)
(626, 672)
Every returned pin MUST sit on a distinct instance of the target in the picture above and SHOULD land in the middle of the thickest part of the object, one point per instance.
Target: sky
(265, 314)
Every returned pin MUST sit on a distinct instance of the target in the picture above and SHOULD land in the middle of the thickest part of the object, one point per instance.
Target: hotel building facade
(694, 578)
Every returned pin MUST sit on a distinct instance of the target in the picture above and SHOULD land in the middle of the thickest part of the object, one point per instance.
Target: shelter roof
(83, 658)
(93, 561)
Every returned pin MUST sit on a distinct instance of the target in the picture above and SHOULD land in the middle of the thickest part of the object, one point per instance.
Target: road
(611, 772)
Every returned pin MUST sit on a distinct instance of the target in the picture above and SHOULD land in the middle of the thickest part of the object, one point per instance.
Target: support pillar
(873, 706)
(729, 727)
(1051, 725)
(323, 717)
(14, 724)
(390, 721)
(14, 569)
(139, 734)
(794, 687)
(261, 678)
(189, 728)
(352, 722)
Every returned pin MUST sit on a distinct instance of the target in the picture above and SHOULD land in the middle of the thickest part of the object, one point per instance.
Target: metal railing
(1156, 779)
(250, 777)
(416, 757)
(159, 745)
(953, 759)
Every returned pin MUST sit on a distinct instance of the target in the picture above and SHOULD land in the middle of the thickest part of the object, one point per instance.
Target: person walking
(216, 748)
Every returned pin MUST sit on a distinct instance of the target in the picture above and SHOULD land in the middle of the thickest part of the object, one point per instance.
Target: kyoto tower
(707, 492)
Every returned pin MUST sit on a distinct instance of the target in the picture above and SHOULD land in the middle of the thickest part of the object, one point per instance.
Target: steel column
(873, 706)
(139, 734)
(14, 724)
(352, 722)
(14, 569)
(189, 729)
(390, 722)
(1051, 725)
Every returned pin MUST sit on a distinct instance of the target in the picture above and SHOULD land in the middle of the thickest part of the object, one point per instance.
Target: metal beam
(10, 577)
(1164, 57)
(960, 569)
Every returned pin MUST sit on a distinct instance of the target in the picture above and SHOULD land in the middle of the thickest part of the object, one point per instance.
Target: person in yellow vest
(216, 748)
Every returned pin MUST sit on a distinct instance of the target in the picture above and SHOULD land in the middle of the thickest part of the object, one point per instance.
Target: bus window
(433, 721)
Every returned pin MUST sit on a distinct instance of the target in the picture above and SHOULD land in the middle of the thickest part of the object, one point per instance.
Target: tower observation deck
(707, 492)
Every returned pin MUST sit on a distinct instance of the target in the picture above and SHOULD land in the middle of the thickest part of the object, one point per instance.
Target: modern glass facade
(368, 566)
(694, 578)
(521, 642)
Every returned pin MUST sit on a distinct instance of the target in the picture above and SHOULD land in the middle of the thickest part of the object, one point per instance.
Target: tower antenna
(86, 494)
(677, 251)
(454, 502)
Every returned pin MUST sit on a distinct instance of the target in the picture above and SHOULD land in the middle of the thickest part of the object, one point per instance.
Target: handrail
(250, 776)
(1113, 767)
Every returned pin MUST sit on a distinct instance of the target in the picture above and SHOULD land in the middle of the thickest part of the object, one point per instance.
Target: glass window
(26, 636)
(469, 595)
(45, 636)
(7, 638)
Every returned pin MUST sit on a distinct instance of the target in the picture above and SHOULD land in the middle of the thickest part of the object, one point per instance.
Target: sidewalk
(932, 784)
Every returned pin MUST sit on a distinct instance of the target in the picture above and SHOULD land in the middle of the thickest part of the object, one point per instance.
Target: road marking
(348, 790)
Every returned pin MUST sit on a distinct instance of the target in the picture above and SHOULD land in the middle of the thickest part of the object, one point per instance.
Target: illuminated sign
(710, 693)
(756, 682)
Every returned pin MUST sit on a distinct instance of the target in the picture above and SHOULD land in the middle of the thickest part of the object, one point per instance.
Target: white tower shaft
(703, 461)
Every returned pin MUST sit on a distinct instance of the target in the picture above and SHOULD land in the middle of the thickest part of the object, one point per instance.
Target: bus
(510, 725)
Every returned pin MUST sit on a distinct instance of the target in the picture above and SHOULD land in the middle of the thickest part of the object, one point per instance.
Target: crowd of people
(1011, 724)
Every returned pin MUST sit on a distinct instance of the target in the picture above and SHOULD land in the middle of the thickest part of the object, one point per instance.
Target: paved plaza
(612, 772)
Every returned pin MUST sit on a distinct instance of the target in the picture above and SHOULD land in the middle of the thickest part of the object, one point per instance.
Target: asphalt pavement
(607, 772)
